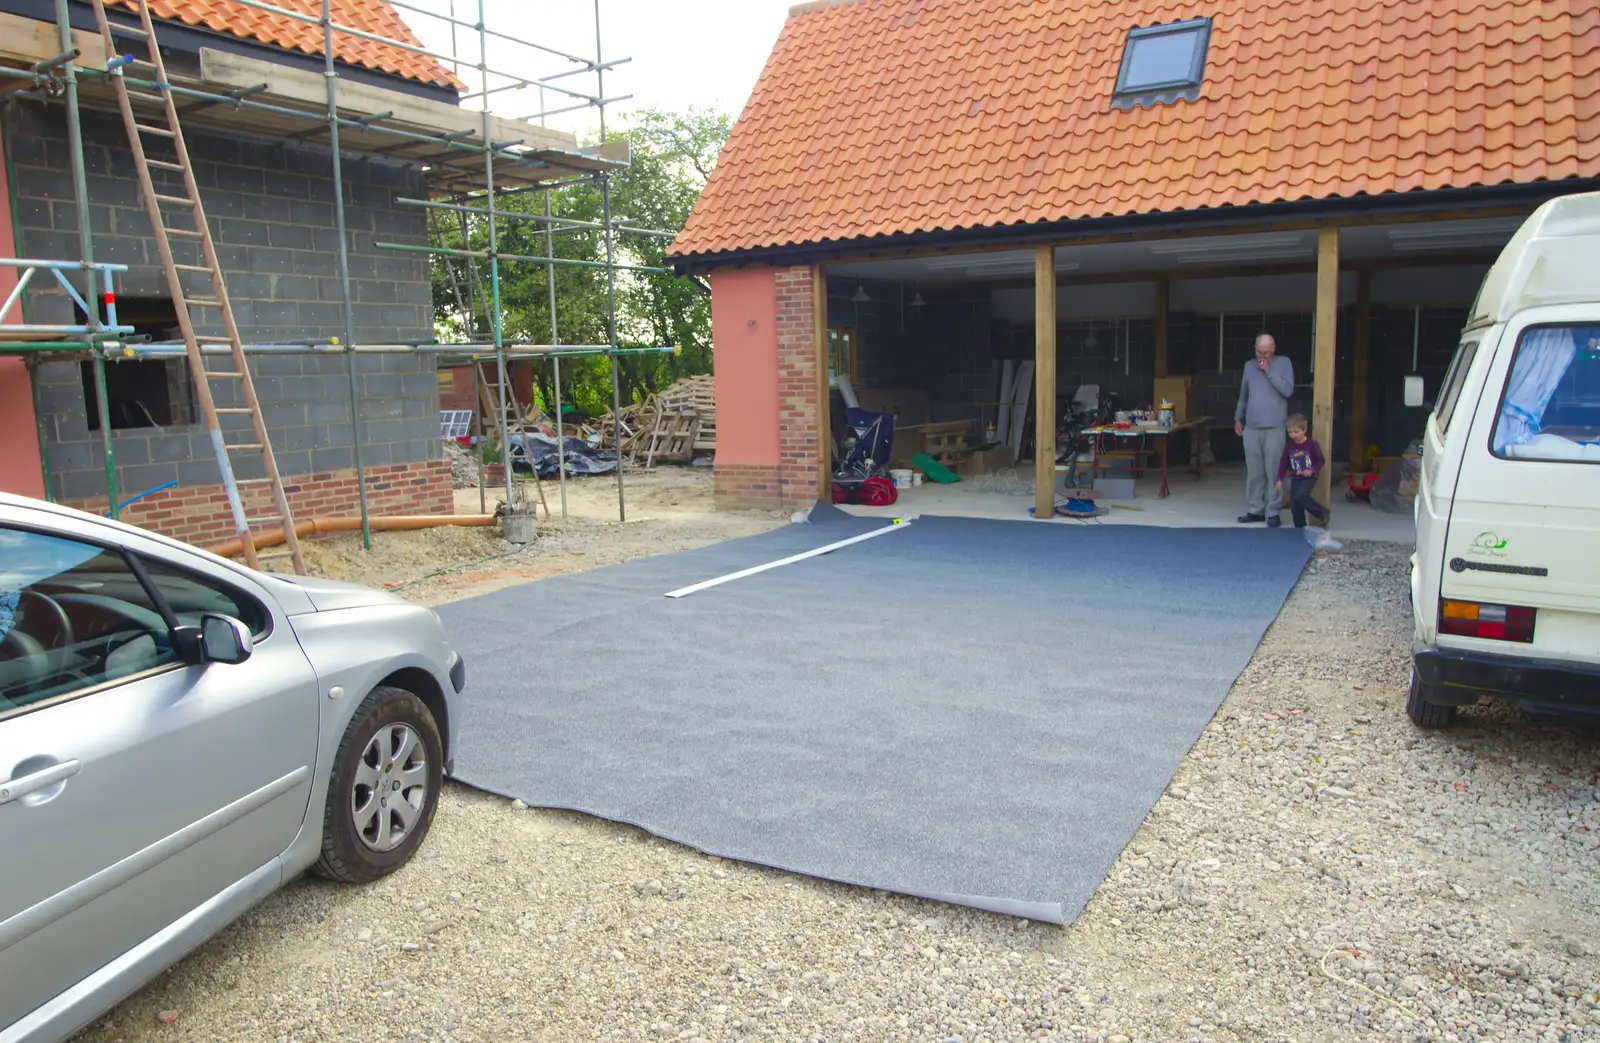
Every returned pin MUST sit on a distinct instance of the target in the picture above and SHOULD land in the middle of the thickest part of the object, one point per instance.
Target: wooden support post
(819, 324)
(1358, 387)
(1044, 381)
(1163, 305)
(1326, 340)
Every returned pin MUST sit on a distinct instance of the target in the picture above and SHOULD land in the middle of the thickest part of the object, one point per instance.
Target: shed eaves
(884, 117)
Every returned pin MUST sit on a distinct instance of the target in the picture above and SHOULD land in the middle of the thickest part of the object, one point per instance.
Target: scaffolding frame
(103, 341)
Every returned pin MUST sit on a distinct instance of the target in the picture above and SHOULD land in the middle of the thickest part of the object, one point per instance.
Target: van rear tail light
(1495, 622)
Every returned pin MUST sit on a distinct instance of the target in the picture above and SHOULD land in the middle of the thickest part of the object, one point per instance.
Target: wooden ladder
(163, 126)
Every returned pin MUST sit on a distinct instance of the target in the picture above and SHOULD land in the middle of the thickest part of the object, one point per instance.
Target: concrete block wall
(270, 207)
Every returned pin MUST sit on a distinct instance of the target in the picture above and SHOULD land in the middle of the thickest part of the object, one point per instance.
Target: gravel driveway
(1318, 870)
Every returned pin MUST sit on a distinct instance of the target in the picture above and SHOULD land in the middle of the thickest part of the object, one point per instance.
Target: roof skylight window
(1163, 63)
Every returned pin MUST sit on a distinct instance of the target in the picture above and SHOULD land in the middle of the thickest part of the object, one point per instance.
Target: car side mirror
(1413, 392)
(224, 639)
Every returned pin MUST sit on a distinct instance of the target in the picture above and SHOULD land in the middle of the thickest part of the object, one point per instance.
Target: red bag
(873, 492)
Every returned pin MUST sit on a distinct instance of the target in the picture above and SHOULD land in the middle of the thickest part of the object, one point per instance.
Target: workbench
(1200, 441)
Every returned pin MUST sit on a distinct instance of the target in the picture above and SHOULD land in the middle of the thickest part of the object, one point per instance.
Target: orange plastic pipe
(317, 526)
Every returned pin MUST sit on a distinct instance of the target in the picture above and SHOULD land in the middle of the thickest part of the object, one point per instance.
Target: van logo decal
(1489, 541)
(1462, 565)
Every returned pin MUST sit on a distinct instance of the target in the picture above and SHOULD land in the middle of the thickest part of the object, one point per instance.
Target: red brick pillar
(799, 427)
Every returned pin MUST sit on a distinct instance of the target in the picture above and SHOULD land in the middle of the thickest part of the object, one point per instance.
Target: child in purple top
(1301, 461)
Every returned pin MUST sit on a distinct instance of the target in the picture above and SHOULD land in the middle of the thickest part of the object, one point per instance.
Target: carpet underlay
(980, 712)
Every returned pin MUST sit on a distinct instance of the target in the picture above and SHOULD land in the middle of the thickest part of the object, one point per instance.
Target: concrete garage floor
(1216, 501)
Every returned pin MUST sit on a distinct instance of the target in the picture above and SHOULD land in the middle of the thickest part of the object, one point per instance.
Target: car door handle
(16, 789)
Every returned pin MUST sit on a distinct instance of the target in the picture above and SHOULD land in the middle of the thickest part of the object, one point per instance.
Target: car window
(1450, 391)
(72, 616)
(189, 596)
(1550, 407)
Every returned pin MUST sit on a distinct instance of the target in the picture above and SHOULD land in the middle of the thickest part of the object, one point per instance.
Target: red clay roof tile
(370, 16)
(882, 117)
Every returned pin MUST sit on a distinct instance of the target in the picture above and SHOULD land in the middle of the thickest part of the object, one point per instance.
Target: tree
(671, 157)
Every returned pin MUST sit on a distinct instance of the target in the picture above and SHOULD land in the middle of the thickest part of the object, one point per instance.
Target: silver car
(179, 737)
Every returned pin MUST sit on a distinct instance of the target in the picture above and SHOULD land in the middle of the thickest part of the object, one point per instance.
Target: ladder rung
(222, 375)
(275, 554)
(261, 523)
(251, 481)
(235, 410)
(202, 302)
(176, 200)
(194, 268)
(187, 233)
(163, 131)
(163, 164)
(244, 445)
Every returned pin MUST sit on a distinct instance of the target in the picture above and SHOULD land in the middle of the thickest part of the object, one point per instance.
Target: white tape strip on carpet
(896, 526)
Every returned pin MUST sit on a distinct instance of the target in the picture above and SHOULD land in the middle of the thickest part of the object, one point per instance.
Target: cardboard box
(983, 461)
(1114, 488)
(1176, 390)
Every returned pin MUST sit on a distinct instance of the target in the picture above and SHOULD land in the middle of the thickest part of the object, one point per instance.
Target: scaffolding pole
(611, 277)
(555, 338)
(497, 318)
(344, 268)
(80, 187)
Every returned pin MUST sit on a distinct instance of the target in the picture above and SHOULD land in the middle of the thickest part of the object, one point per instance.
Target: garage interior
(929, 340)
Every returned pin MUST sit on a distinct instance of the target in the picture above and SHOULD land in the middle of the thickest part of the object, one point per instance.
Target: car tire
(1424, 713)
(384, 789)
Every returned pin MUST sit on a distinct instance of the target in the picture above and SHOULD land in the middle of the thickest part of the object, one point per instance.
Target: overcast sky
(703, 53)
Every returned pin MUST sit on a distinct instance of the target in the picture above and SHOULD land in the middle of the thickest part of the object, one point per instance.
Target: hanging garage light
(861, 294)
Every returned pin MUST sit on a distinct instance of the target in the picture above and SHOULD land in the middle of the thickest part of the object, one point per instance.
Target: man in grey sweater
(1259, 417)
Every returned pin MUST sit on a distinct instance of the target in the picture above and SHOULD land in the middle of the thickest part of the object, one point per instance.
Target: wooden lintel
(1044, 376)
(1252, 271)
(1257, 228)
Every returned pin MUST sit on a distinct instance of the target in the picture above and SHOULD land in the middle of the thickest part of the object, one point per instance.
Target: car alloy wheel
(383, 789)
(391, 787)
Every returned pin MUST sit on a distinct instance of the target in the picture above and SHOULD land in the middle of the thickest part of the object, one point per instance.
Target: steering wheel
(24, 647)
(52, 607)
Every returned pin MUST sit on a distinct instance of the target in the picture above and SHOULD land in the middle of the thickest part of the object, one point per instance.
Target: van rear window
(1550, 409)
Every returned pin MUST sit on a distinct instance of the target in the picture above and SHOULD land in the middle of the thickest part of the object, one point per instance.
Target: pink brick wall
(746, 478)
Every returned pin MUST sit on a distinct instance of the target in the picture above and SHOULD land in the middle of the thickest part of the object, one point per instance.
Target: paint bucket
(519, 528)
(916, 479)
(901, 477)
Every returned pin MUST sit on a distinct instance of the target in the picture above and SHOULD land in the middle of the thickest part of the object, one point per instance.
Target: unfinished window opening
(143, 393)
(1163, 63)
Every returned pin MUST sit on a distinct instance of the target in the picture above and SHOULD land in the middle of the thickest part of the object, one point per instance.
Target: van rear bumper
(1460, 678)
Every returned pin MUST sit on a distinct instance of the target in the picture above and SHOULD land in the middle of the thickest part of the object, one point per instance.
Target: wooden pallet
(946, 443)
(672, 438)
(697, 393)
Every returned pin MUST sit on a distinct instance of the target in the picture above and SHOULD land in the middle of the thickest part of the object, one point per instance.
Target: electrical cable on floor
(1005, 481)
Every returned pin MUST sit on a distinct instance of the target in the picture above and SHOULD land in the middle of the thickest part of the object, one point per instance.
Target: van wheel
(1425, 714)
(385, 788)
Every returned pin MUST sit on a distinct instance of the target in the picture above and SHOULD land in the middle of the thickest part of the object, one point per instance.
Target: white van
(1505, 581)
